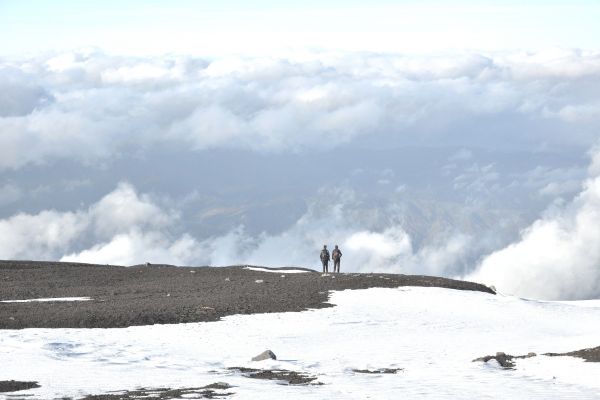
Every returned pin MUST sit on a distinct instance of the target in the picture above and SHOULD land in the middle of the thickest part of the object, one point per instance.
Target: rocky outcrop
(505, 360)
(265, 355)
(589, 355)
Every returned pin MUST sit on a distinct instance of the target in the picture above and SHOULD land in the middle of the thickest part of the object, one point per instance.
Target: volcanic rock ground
(164, 294)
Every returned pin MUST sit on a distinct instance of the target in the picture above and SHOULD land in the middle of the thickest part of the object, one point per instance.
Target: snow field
(432, 333)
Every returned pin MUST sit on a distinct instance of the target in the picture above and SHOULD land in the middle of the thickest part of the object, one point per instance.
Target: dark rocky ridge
(162, 294)
(205, 392)
(15, 386)
(589, 355)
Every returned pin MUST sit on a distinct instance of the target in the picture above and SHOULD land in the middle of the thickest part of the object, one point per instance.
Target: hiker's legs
(336, 266)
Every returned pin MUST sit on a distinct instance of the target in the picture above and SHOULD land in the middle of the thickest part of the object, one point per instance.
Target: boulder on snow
(505, 360)
(265, 355)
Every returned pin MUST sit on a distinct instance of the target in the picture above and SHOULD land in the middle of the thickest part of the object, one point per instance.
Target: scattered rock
(505, 360)
(529, 355)
(14, 386)
(291, 377)
(218, 385)
(378, 371)
(259, 281)
(589, 355)
(205, 392)
(265, 355)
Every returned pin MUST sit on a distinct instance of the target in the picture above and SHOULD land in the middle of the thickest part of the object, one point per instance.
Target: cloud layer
(94, 110)
(91, 107)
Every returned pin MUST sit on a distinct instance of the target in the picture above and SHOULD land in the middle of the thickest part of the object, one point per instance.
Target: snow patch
(278, 271)
(48, 300)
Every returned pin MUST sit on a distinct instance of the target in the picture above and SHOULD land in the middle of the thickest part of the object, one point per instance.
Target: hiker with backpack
(325, 259)
(336, 255)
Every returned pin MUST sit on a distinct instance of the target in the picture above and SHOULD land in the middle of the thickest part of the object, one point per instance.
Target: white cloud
(557, 257)
(40, 236)
(124, 209)
(122, 226)
(89, 106)
(136, 247)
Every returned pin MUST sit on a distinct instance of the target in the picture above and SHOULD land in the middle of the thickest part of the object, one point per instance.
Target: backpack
(336, 255)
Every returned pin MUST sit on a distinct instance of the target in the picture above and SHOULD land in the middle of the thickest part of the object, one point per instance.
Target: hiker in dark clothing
(325, 259)
(336, 255)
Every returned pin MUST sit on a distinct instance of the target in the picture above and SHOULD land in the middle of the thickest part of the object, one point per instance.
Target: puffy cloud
(135, 247)
(40, 236)
(117, 220)
(124, 209)
(558, 256)
(90, 106)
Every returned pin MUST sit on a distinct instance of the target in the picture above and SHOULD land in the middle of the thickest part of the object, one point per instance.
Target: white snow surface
(48, 300)
(278, 271)
(583, 303)
(433, 334)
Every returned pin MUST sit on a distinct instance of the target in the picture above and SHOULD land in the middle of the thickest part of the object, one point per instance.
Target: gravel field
(165, 294)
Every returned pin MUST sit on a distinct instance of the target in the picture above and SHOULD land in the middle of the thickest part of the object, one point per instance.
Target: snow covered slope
(432, 334)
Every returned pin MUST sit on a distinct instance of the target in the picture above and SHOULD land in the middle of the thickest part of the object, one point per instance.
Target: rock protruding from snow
(265, 355)
(377, 371)
(291, 377)
(505, 360)
(15, 386)
(589, 355)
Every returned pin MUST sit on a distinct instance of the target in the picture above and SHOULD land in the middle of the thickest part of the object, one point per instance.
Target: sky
(210, 28)
(445, 138)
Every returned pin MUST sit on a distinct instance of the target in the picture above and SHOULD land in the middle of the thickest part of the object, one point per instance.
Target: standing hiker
(325, 259)
(336, 255)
